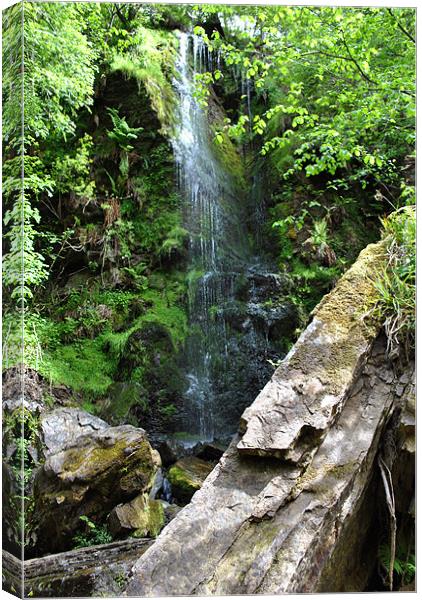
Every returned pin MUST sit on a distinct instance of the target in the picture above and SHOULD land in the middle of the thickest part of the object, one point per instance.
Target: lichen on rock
(142, 517)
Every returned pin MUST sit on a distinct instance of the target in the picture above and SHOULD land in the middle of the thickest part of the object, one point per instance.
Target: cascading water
(215, 241)
(230, 285)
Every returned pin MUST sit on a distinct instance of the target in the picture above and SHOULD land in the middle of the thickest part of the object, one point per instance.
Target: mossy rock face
(143, 517)
(93, 474)
(144, 347)
(187, 476)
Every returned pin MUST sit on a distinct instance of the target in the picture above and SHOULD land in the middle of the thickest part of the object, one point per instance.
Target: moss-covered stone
(143, 517)
(153, 68)
(89, 478)
(311, 384)
(187, 476)
(343, 321)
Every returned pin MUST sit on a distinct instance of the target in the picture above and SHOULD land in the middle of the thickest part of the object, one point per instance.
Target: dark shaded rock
(261, 525)
(170, 511)
(170, 450)
(210, 451)
(187, 476)
(309, 388)
(10, 510)
(17, 379)
(292, 529)
(263, 285)
(275, 321)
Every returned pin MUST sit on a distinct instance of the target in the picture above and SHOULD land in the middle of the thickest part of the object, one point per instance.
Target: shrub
(396, 283)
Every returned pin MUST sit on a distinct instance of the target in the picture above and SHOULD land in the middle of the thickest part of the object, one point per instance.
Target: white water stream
(206, 188)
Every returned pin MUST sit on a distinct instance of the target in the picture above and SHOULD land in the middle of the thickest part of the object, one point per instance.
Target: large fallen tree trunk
(89, 571)
(290, 506)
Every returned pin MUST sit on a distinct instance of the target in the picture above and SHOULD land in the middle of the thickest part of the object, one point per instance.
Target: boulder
(142, 517)
(15, 380)
(170, 450)
(210, 451)
(187, 476)
(88, 476)
(262, 525)
(61, 427)
(170, 510)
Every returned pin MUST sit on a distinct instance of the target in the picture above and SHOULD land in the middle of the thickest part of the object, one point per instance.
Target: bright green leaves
(329, 77)
(122, 133)
(58, 80)
(70, 170)
(258, 125)
(56, 83)
(396, 284)
(23, 267)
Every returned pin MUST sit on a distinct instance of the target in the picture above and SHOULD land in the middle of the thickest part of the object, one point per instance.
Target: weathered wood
(83, 572)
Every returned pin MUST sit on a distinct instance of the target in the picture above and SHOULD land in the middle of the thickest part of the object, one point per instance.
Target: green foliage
(319, 237)
(334, 96)
(396, 284)
(404, 563)
(150, 60)
(92, 535)
(70, 169)
(23, 266)
(39, 105)
(311, 282)
(122, 133)
(175, 242)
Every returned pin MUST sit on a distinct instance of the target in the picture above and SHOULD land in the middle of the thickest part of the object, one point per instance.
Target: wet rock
(170, 510)
(187, 476)
(157, 484)
(261, 525)
(170, 450)
(291, 529)
(275, 321)
(90, 476)
(142, 517)
(263, 284)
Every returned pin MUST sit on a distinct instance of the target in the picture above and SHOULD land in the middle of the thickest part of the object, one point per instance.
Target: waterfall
(214, 238)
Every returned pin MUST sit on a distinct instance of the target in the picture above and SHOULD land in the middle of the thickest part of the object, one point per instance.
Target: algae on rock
(187, 476)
